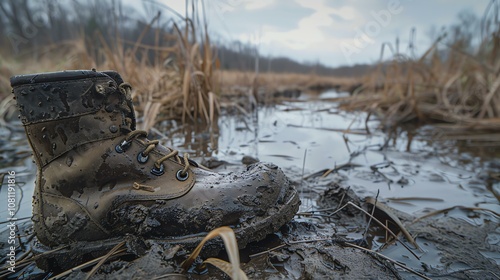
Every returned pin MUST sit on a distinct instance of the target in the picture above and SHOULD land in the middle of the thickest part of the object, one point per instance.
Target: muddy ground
(462, 242)
(315, 245)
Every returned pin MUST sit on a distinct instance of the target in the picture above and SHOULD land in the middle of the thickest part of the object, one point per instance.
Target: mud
(466, 251)
(411, 172)
(309, 250)
(313, 246)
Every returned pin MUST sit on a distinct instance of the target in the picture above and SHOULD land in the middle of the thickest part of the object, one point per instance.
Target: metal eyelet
(181, 177)
(123, 146)
(158, 172)
(141, 158)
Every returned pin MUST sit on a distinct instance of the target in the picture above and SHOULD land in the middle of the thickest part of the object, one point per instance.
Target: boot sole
(78, 252)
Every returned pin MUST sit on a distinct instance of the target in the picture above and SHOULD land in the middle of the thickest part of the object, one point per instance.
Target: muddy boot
(100, 179)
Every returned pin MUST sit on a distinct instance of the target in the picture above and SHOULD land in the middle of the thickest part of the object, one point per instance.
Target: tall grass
(173, 83)
(458, 84)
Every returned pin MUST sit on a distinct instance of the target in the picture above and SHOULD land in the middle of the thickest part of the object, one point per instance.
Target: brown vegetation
(458, 84)
(167, 58)
(272, 81)
(169, 63)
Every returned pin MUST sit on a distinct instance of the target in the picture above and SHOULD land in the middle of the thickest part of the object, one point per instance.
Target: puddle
(408, 169)
(414, 174)
(411, 170)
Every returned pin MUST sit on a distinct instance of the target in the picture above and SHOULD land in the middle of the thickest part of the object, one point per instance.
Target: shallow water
(410, 168)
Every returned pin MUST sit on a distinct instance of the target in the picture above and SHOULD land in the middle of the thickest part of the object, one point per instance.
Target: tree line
(28, 26)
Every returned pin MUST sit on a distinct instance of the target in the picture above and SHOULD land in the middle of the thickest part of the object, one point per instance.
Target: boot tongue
(114, 75)
(127, 107)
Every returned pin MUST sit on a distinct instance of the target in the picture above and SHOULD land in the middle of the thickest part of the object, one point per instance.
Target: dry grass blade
(150, 114)
(84, 265)
(267, 251)
(394, 219)
(104, 259)
(437, 212)
(433, 199)
(5, 106)
(144, 31)
(212, 100)
(231, 245)
(339, 167)
(389, 259)
(496, 276)
(226, 267)
(382, 225)
(371, 216)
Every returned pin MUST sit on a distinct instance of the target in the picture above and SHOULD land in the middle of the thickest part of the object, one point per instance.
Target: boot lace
(159, 168)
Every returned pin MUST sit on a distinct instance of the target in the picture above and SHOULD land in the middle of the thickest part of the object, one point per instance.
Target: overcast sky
(333, 32)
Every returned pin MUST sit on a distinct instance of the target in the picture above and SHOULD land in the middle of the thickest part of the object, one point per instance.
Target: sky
(332, 32)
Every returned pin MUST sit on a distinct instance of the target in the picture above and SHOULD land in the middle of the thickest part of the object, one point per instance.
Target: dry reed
(271, 81)
(458, 86)
(176, 84)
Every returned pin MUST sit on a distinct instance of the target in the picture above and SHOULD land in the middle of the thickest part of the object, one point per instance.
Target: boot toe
(252, 192)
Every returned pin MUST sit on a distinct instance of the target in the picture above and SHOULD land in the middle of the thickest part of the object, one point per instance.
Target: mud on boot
(100, 179)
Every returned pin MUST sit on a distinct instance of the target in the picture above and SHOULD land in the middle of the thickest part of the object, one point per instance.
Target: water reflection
(415, 169)
(406, 162)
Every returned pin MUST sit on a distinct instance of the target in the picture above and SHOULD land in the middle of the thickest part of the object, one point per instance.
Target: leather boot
(99, 178)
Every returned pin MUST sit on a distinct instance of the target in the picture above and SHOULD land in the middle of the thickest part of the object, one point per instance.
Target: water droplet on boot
(69, 161)
(99, 89)
(23, 92)
(44, 136)
(54, 146)
(44, 128)
(32, 88)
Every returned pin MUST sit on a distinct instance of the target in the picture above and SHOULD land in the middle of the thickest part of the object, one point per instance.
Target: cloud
(310, 30)
(257, 4)
(317, 29)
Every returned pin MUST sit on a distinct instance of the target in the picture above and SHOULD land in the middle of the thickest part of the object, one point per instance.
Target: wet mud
(444, 194)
